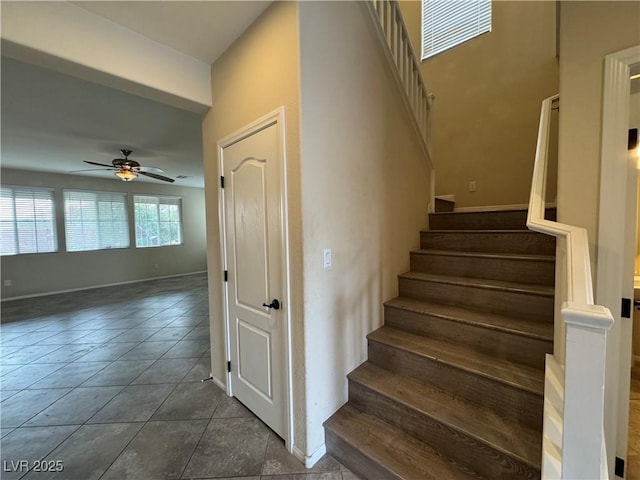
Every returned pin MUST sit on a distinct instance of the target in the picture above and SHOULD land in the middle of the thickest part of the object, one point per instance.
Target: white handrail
(581, 451)
(405, 66)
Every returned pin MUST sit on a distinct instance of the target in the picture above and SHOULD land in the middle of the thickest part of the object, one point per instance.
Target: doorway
(254, 250)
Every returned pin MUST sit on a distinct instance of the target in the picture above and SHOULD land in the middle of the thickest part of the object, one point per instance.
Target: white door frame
(611, 286)
(276, 117)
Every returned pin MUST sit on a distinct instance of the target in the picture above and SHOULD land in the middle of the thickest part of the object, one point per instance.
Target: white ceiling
(52, 122)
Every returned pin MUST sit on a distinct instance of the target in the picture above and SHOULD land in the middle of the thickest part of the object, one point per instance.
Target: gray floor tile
(30, 444)
(188, 349)
(230, 447)
(169, 333)
(28, 375)
(171, 370)
(71, 375)
(99, 336)
(31, 339)
(4, 369)
(67, 353)
(135, 403)
(107, 352)
(28, 354)
(198, 333)
(64, 337)
(188, 321)
(120, 372)
(229, 407)
(305, 476)
(135, 335)
(148, 350)
(90, 451)
(200, 371)
(5, 394)
(346, 475)
(76, 407)
(142, 459)
(190, 401)
(26, 404)
(278, 461)
(6, 431)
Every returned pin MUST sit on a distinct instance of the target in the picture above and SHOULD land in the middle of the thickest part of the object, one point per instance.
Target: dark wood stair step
(533, 302)
(509, 388)
(498, 241)
(465, 432)
(373, 449)
(515, 339)
(493, 219)
(512, 267)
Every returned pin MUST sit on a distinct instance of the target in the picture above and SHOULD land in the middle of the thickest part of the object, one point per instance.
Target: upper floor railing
(573, 438)
(405, 66)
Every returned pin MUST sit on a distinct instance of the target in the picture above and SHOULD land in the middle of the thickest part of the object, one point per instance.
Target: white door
(253, 240)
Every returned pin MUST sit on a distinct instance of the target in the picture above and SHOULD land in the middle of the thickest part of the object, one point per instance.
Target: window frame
(124, 223)
(169, 200)
(454, 20)
(52, 219)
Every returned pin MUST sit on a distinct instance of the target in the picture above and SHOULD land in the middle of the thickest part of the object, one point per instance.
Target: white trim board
(499, 208)
(310, 461)
(80, 289)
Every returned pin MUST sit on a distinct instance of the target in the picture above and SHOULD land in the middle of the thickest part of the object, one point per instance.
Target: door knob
(275, 304)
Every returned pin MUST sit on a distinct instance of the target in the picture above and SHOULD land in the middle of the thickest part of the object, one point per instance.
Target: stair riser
(499, 220)
(516, 348)
(520, 305)
(450, 442)
(500, 242)
(538, 272)
(360, 464)
(512, 403)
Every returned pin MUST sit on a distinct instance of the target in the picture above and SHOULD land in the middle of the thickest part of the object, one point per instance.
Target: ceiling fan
(128, 170)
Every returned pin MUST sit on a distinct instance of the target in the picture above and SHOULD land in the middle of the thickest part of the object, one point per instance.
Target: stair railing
(405, 66)
(573, 436)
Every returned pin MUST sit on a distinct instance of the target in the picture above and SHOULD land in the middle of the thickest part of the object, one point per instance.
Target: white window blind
(447, 23)
(158, 220)
(27, 220)
(95, 220)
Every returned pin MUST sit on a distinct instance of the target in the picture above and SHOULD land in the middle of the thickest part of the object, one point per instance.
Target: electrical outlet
(473, 186)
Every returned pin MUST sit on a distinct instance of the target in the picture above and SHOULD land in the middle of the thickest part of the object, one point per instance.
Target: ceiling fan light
(126, 175)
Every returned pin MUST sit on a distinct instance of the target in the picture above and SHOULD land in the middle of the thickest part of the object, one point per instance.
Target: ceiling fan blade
(99, 164)
(157, 177)
(151, 169)
(93, 170)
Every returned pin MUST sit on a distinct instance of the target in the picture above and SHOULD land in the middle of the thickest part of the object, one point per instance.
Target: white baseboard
(56, 292)
(310, 461)
(498, 208)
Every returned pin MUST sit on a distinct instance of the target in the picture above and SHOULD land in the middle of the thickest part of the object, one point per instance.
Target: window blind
(95, 220)
(447, 23)
(158, 220)
(27, 220)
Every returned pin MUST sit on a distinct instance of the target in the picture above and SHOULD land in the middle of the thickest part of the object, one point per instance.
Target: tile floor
(105, 384)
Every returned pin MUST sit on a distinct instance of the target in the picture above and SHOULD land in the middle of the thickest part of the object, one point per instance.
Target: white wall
(34, 274)
(365, 192)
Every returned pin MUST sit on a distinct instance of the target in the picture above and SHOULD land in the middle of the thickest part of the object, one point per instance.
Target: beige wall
(488, 94)
(364, 195)
(33, 274)
(258, 74)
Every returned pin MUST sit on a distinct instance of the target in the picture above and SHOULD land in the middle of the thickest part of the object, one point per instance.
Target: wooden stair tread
(516, 375)
(511, 256)
(401, 454)
(516, 326)
(487, 427)
(486, 230)
(531, 289)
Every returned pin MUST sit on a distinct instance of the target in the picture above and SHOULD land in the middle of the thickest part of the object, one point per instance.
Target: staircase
(453, 387)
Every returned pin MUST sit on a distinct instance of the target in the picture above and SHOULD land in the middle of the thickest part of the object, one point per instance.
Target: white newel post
(586, 340)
